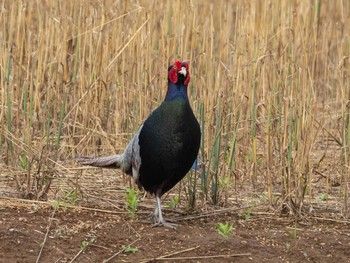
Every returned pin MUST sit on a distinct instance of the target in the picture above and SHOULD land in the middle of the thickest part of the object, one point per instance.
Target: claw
(158, 217)
(155, 215)
(152, 217)
(165, 224)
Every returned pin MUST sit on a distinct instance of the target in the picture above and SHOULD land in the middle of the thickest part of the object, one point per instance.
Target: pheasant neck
(176, 91)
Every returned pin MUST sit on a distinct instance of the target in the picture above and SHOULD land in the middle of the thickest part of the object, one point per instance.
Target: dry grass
(78, 77)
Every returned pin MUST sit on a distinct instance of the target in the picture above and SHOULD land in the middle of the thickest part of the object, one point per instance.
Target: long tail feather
(112, 161)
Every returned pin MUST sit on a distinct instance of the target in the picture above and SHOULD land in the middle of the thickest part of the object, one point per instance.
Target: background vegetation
(269, 84)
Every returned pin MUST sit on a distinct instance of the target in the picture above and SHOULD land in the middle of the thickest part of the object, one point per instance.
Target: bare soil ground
(262, 238)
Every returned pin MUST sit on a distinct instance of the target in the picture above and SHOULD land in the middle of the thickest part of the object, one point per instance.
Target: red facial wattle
(173, 75)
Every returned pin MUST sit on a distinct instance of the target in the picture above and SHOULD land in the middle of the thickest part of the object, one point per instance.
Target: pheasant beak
(183, 71)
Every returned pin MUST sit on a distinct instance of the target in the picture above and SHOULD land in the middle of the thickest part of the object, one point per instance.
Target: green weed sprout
(224, 229)
(132, 199)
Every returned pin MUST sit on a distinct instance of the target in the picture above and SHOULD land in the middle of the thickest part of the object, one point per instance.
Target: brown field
(270, 87)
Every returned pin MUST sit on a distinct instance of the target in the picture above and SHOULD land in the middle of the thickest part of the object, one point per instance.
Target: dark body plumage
(164, 148)
(169, 143)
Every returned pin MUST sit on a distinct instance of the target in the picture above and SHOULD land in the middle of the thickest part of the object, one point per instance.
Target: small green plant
(34, 208)
(225, 182)
(23, 162)
(248, 214)
(224, 229)
(85, 243)
(71, 197)
(263, 198)
(322, 197)
(57, 204)
(58, 233)
(173, 202)
(128, 249)
(132, 199)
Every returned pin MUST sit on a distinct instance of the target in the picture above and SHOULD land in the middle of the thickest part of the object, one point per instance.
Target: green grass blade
(61, 119)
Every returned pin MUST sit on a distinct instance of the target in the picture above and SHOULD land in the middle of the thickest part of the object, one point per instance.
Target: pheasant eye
(174, 67)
